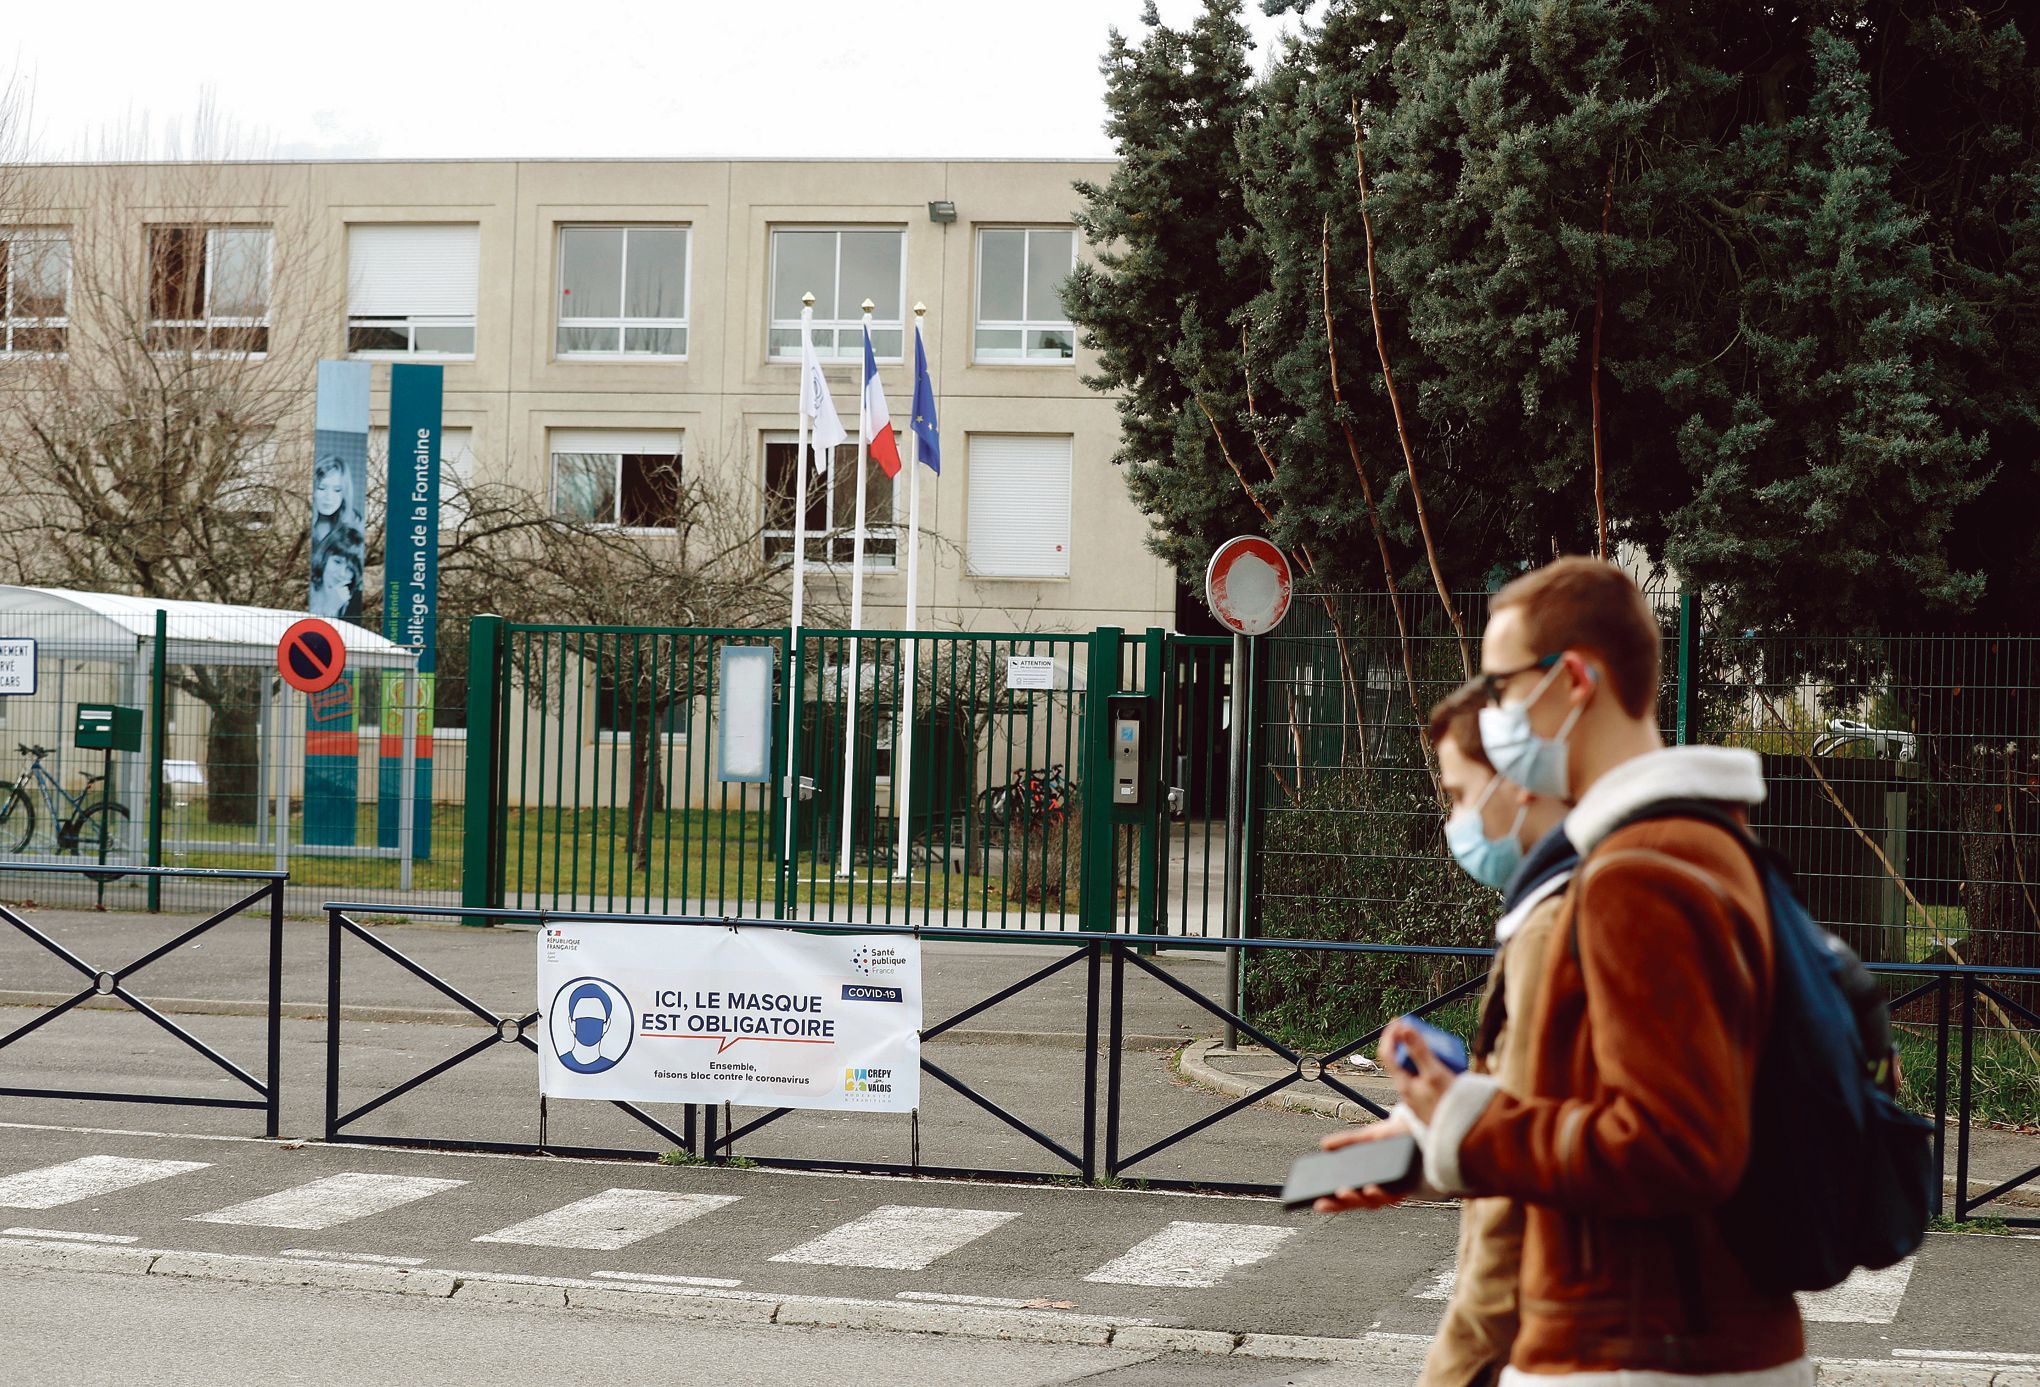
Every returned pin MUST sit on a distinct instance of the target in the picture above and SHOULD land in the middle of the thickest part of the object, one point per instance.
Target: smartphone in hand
(1449, 1048)
(1387, 1162)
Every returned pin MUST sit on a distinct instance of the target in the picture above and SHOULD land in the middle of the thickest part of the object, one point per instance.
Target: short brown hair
(1587, 604)
(1457, 720)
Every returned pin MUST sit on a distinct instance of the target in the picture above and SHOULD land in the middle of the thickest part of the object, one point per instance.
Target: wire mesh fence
(1903, 778)
(229, 767)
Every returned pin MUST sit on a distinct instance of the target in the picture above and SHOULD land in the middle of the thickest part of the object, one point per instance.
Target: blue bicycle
(83, 828)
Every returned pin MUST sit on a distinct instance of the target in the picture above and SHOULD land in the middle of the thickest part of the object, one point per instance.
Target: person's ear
(1584, 677)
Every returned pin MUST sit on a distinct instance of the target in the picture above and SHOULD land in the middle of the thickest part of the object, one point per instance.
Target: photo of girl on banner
(339, 545)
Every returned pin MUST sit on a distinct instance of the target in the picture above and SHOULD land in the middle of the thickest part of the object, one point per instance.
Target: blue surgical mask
(1489, 861)
(588, 1030)
(1538, 764)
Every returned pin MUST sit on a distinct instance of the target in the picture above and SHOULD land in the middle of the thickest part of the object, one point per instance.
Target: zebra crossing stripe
(1193, 1254)
(325, 1203)
(610, 1220)
(1867, 1297)
(1438, 1287)
(51, 1185)
(898, 1237)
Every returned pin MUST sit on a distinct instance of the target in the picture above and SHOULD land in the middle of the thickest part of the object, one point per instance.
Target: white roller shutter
(1019, 491)
(665, 442)
(412, 270)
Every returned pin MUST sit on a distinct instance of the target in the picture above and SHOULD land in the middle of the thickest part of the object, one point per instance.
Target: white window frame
(873, 563)
(10, 322)
(623, 322)
(980, 323)
(554, 452)
(210, 320)
(855, 326)
(410, 323)
(411, 351)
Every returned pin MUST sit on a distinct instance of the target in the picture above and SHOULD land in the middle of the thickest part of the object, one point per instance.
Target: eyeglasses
(1491, 685)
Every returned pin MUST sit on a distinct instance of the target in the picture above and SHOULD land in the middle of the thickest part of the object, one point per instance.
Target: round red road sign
(311, 655)
(1247, 585)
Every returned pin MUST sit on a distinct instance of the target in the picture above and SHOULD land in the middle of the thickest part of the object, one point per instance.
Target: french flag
(878, 435)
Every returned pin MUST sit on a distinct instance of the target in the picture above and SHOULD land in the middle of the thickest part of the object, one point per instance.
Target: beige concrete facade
(727, 396)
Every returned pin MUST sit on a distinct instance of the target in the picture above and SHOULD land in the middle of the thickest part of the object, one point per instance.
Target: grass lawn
(703, 856)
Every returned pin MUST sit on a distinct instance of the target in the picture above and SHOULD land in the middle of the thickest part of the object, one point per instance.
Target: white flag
(825, 429)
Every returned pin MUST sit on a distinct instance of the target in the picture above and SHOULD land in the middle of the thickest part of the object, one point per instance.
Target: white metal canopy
(104, 625)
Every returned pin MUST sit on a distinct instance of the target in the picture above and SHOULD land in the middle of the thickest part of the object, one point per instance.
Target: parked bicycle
(1031, 797)
(84, 827)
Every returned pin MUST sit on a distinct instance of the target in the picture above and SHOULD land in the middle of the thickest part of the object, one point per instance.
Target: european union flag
(925, 427)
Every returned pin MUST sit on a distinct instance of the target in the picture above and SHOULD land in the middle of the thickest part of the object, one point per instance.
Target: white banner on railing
(711, 1014)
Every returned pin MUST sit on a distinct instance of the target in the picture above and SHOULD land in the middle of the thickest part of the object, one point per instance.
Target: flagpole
(903, 728)
(856, 601)
(800, 470)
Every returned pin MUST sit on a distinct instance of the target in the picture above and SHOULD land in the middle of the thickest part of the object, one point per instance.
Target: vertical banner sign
(411, 594)
(757, 1017)
(339, 551)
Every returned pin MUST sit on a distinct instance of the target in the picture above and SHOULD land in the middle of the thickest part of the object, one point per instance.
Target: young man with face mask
(1656, 994)
(1511, 840)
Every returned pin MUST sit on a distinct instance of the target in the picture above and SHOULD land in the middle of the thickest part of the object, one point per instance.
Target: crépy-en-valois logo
(590, 1025)
(867, 1080)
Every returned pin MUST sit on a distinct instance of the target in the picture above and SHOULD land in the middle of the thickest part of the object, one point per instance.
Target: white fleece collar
(1727, 775)
(1542, 892)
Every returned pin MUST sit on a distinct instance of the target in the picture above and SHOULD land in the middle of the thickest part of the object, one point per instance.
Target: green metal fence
(956, 778)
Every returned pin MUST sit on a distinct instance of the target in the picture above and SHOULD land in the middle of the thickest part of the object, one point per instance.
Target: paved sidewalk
(1995, 1154)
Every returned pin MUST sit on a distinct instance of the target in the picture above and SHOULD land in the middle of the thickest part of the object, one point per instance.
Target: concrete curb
(1193, 1065)
(1375, 1348)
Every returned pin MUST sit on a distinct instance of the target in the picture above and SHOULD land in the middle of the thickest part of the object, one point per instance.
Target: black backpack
(1839, 1175)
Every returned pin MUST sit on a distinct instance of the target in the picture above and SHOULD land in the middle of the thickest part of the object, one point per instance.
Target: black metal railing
(117, 983)
(1955, 995)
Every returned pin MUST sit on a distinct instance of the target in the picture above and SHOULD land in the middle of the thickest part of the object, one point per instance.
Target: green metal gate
(951, 778)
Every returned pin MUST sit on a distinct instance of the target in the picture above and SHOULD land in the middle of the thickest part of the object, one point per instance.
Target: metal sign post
(1247, 586)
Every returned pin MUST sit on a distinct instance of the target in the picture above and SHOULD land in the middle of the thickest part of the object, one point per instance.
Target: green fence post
(159, 723)
(1689, 666)
(1101, 681)
(1155, 814)
(481, 883)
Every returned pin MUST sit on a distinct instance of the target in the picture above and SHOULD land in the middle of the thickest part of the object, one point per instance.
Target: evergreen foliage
(1792, 248)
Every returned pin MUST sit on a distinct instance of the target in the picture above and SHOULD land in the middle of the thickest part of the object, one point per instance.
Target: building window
(209, 288)
(831, 507)
(624, 477)
(623, 291)
(1018, 488)
(411, 289)
(35, 290)
(841, 268)
(620, 709)
(1019, 294)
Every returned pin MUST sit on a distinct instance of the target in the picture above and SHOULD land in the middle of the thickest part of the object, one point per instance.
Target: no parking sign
(311, 656)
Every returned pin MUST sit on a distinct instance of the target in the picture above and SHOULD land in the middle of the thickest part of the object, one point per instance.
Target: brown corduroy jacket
(1635, 1125)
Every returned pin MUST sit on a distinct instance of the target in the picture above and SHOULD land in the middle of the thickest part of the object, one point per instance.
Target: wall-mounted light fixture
(944, 212)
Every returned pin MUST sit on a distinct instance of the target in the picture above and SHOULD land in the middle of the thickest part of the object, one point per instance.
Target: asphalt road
(1236, 1265)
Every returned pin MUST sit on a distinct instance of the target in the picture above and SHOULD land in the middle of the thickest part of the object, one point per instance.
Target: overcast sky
(597, 78)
